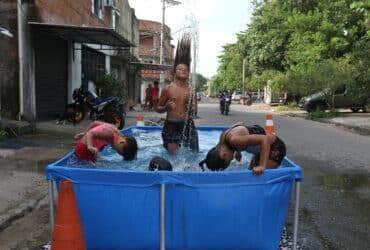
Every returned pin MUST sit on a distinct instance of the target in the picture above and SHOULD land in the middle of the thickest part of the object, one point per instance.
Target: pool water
(150, 145)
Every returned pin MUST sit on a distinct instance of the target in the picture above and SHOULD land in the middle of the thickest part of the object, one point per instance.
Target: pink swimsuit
(98, 142)
(82, 151)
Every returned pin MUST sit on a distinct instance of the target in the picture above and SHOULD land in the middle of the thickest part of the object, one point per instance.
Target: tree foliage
(301, 47)
(201, 83)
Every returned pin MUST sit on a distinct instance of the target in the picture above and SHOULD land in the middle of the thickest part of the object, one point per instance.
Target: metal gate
(51, 75)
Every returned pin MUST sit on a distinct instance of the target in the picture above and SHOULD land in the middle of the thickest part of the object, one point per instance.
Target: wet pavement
(335, 201)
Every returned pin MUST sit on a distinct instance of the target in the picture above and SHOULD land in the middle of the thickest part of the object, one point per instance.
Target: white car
(235, 97)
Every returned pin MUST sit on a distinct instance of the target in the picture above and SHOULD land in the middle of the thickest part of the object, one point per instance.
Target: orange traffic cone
(269, 128)
(67, 232)
(140, 120)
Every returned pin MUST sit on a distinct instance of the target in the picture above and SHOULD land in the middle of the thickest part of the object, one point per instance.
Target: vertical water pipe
(20, 56)
(296, 213)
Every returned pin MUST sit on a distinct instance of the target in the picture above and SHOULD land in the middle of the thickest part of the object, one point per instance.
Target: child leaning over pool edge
(268, 149)
(100, 134)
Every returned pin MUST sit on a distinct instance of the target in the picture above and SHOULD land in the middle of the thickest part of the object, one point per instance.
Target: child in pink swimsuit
(100, 134)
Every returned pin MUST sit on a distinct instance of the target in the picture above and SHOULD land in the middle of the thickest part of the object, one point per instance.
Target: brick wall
(150, 37)
(9, 66)
(70, 12)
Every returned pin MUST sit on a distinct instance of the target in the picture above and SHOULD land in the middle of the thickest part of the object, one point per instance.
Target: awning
(151, 66)
(93, 35)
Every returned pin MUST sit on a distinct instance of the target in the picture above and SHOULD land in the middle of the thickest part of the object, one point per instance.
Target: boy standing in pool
(178, 101)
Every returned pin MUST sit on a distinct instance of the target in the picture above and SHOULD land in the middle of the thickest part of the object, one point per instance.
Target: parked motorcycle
(106, 109)
(225, 102)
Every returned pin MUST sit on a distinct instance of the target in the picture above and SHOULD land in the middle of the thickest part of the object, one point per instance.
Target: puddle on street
(346, 182)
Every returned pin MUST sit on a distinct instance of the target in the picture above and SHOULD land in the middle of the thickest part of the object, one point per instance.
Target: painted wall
(74, 68)
(70, 12)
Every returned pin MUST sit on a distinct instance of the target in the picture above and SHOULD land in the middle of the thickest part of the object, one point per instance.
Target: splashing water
(150, 145)
(190, 114)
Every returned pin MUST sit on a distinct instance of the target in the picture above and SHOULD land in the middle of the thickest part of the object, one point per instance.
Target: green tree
(201, 83)
(292, 43)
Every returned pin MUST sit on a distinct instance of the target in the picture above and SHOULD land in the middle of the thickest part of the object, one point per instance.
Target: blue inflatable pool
(180, 210)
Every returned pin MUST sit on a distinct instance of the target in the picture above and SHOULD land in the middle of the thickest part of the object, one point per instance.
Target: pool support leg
(51, 204)
(296, 213)
(163, 217)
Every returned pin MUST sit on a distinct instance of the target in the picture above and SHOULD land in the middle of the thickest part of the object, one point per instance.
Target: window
(97, 8)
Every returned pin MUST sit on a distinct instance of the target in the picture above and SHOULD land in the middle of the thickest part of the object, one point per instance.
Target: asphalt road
(335, 201)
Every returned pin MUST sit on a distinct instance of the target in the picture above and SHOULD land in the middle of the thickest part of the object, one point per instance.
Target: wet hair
(214, 161)
(130, 149)
(160, 164)
(183, 52)
(277, 153)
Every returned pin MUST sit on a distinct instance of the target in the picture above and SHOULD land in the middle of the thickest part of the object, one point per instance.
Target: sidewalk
(356, 122)
(50, 127)
(359, 122)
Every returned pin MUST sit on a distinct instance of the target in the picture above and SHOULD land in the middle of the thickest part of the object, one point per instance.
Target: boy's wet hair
(277, 150)
(213, 160)
(130, 150)
(183, 52)
(160, 164)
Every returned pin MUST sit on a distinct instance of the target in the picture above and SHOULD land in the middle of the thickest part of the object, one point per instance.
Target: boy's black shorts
(173, 133)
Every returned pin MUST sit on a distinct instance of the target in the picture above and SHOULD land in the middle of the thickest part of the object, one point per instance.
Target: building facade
(58, 46)
(149, 53)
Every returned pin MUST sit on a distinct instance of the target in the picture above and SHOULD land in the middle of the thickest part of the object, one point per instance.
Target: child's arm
(264, 141)
(91, 125)
(162, 103)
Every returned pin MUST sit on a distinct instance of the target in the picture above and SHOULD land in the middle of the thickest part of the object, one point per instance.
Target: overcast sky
(219, 21)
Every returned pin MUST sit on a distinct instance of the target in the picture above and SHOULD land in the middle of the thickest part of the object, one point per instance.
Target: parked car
(283, 98)
(254, 96)
(341, 100)
(235, 97)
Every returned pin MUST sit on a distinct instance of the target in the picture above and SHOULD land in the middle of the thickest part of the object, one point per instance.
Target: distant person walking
(148, 99)
(155, 94)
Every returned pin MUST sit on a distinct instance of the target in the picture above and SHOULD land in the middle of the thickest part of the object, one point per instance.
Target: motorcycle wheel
(74, 113)
(116, 118)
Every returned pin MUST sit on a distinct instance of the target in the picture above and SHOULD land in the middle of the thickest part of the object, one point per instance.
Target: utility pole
(243, 94)
(195, 53)
(161, 51)
(162, 32)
